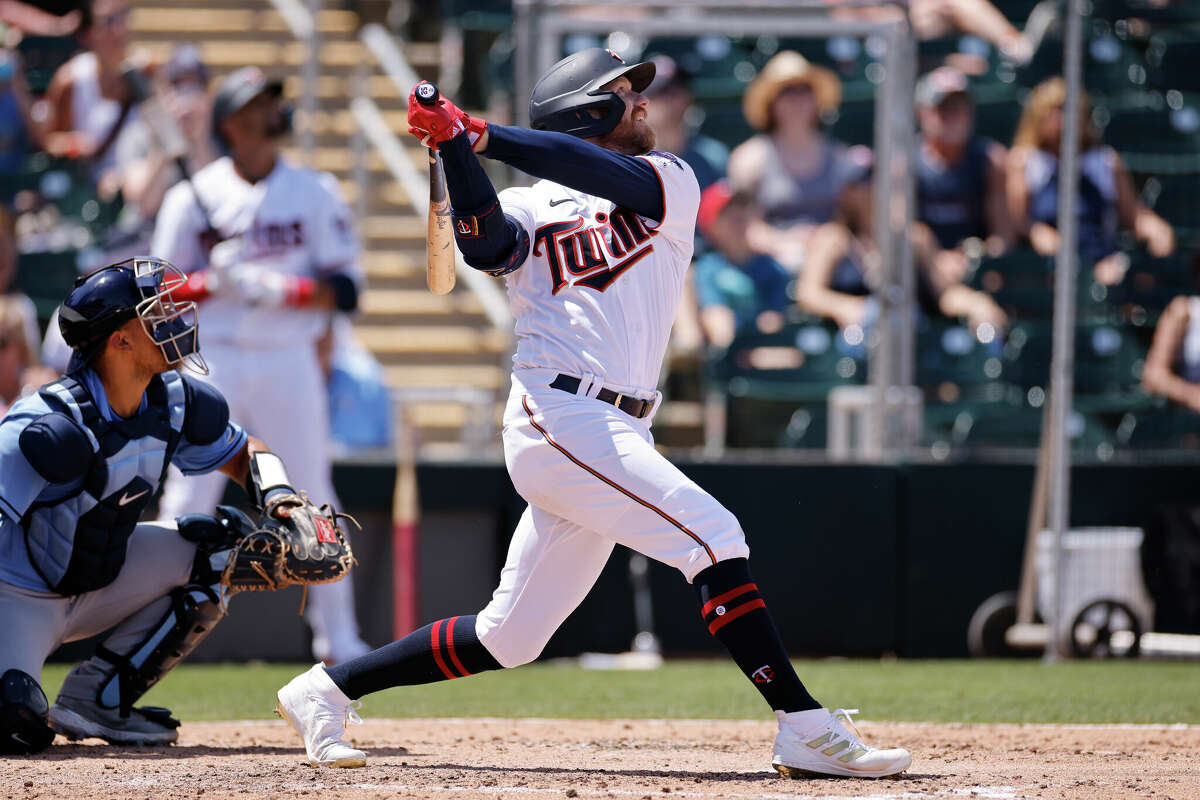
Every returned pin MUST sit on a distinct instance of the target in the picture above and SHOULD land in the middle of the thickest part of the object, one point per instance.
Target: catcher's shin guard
(195, 609)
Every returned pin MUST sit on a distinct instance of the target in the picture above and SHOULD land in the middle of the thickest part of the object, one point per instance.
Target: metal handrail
(298, 18)
(412, 181)
(388, 55)
(302, 21)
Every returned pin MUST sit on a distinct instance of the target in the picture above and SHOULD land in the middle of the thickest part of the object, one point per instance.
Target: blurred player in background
(285, 258)
(596, 256)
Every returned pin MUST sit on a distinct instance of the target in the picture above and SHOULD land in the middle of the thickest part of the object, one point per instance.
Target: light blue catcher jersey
(39, 512)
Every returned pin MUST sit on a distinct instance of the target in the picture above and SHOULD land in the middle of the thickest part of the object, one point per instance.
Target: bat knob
(427, 94)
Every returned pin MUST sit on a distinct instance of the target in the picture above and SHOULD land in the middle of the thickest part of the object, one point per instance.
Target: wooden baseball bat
(439, 245)
(406, 516)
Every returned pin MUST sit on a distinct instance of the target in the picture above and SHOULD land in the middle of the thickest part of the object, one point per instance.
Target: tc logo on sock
(763, 674)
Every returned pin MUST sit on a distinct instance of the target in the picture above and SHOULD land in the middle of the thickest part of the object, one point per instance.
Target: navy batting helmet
(239, 88)
(563, 97)
(141, 287)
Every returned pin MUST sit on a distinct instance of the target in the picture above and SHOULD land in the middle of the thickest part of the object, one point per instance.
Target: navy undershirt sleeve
(491, 238)
(628, 181)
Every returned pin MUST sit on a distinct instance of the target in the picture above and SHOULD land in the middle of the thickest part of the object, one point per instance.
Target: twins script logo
(593, 256)
(763, 674)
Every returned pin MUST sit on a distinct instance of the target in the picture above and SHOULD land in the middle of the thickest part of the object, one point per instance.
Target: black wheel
(1106, 629)
(989, 623)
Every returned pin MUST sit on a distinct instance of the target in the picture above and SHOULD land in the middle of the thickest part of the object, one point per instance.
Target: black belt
(630, 405)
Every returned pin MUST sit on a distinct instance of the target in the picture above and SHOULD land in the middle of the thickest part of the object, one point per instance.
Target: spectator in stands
(89, 99)
(16, 351)
(14, 120)
(671, 116)
(842, 272)
(146, 165)
(29, 18)
(736, 287)
(797, 175)
(934, 19)
(1107, 199)
(175, 122)
(959, 175)
(19, 369)
(1172, 367)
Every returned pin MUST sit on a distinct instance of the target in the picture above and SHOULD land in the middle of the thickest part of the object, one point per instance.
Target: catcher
(79, 462)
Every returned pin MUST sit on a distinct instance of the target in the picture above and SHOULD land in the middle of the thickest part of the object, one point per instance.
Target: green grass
(932, 691)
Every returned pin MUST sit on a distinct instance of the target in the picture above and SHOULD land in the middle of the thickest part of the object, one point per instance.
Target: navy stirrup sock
(443, 650)
(736, 614)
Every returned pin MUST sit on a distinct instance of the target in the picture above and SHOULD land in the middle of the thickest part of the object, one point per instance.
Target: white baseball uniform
(595, 300)
(263, 359)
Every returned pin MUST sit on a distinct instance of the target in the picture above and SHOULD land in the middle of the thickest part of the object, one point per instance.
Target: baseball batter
(79, 462)
(287, 257)
(595, 256)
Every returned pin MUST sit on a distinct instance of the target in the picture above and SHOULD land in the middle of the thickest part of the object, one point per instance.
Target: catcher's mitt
(293, 542)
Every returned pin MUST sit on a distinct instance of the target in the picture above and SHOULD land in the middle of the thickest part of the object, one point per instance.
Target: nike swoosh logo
(126, 499)
(554, 203)
(17, 738)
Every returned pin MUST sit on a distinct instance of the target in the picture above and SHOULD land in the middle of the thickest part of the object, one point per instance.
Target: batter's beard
(629, 140)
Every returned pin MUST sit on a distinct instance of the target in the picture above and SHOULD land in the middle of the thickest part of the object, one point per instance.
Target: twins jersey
(293, 222)
(598, 293)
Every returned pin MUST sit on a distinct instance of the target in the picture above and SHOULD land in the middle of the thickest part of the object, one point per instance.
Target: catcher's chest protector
(77, 542)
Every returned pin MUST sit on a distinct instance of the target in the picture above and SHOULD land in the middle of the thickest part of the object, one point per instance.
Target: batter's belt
(630, 405)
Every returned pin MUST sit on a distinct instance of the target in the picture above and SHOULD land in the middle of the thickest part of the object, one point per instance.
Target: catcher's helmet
(141, 287)
(562, 97)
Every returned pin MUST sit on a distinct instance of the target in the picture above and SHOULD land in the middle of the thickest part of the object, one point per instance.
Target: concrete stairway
(421, 339)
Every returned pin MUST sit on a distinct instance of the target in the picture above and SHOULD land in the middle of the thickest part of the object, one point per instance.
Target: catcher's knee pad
(195, 609)
(24, 714)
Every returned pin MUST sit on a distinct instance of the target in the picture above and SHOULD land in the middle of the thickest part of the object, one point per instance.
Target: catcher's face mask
(172, 326)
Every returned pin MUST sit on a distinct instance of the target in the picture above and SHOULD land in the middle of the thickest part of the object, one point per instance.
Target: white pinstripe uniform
(595, 300)
(264, 359)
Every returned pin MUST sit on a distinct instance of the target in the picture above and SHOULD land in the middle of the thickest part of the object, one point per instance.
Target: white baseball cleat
(318, 711)
(820, 743)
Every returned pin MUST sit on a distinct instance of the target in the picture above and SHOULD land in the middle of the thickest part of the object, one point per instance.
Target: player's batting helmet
(563, 96)
(100, 303)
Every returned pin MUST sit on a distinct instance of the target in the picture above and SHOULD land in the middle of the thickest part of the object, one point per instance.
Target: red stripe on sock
(450, 647)
(721, 599)
(683, 528)
(725, 619)
(437, 651)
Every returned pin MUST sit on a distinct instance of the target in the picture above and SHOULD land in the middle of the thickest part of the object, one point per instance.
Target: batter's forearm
(485, 236)
(628, 181)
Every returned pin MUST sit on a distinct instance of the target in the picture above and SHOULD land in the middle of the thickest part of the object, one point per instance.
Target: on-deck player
(287, 258)
(595, 257)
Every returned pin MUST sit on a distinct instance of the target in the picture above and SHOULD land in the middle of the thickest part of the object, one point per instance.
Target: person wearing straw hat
(797, 174)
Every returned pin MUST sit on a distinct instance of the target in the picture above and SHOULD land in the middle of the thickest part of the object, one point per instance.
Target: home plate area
(512, 759)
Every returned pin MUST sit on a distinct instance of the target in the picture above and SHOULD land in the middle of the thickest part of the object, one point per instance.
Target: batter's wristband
(299, 291)
(198, 286)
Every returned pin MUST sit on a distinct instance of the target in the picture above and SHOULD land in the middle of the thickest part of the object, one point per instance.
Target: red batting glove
(441, 122)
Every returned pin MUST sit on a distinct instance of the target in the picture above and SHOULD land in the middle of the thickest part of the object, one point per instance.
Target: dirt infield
(516, 759)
